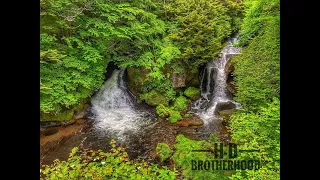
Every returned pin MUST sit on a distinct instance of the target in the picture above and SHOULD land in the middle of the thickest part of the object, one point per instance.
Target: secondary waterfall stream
(115, 111)
(115, 115)
(214, 84)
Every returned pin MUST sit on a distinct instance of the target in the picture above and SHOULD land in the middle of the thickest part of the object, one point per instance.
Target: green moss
(164, 151)
(174, 116)
(169, 113)
(136, 78)
(155, 98)
(63, 116)
(181, 103)
(192, 78)
(187, 115)
(163, 111)
(192, 93)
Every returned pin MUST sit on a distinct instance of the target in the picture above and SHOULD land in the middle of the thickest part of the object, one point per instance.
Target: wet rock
(193, 120)
(80, 115)
(178, 80)
(50, 132)
(136, 77)
(204, 104)
(229, 68)
(225, 106)
(225, 115)
(231, 88)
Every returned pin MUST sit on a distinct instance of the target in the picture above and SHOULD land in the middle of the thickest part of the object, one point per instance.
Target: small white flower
(103, 163)
(94, 159)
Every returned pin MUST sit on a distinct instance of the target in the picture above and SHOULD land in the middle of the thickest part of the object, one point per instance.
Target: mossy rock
(192, 93)
(154, 98)
(169, 113)
(164, 151)
(181, 103)
(175, 116)
(136, 78)
(66, 114)
(163, 111)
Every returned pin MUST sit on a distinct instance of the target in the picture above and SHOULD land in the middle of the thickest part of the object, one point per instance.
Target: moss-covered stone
(154, 98)
(169, 113)
(175, 116)
(136, 78)
(163, 111)
(181, 103)
(163, 151)
(192, 93)
(76, 112)
(66, 115)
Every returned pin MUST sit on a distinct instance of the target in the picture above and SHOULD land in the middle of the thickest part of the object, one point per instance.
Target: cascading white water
(114, 109)
(214, 83)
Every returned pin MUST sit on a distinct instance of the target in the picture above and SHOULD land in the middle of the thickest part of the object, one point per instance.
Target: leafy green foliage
(259, 131)
(88, 164)
(192, 93)
(164, 151)
(201, 27)
(257, 78)
(257, 69)
(78, 39)
(213, 138)
(257, 13)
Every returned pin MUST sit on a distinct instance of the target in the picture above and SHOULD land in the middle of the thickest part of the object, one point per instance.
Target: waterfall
(214, 83)
(114, 108)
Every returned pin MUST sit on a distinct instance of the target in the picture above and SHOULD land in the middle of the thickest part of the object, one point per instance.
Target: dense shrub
(89, 164)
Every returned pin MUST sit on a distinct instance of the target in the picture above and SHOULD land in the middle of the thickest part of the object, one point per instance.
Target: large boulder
(178, 80)
(154, 98)
(68, 115)
(192, 93)
(136, 78)
(193, 120)
(225, 106)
